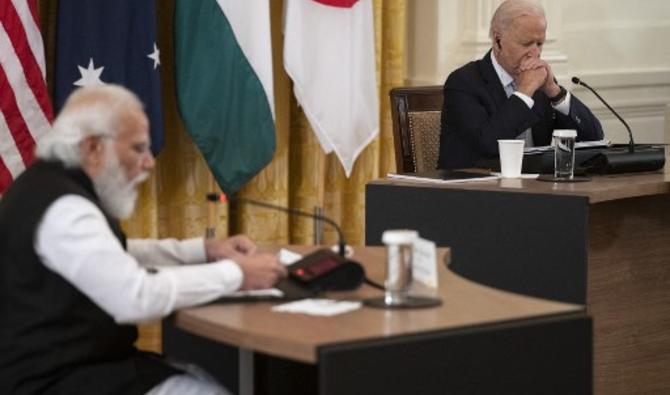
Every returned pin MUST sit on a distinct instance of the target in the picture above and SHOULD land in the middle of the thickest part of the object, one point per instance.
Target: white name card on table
(424, 263)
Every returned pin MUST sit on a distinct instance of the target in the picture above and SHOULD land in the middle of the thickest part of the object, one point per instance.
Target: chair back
(416, 113)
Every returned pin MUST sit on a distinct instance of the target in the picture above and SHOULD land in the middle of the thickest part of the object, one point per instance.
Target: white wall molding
(607, 26)
(632, 78)
(635, 93)
(474, 18)
(631, 110)
(640, 96)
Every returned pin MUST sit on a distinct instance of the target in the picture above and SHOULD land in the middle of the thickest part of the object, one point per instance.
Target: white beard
(117, 195)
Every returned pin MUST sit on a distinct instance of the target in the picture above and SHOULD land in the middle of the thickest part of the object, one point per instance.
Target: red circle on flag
(338, 3)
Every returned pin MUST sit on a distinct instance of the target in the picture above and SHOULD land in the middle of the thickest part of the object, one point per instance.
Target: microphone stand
(341, 244)
(610, 161)
(631, 142)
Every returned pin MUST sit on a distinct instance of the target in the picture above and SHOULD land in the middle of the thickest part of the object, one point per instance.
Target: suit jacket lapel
(540, 134)
(493, 84)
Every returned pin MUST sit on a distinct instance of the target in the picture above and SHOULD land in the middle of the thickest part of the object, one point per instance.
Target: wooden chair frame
(404, 101)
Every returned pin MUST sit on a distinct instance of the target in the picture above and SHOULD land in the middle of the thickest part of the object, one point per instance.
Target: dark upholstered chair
(416, 115)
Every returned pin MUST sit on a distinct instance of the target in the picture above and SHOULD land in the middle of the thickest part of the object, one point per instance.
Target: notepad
(444, 176)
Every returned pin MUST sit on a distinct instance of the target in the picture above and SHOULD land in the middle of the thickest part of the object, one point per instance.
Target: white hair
(512, 9)
(89, 111)
(117, 194)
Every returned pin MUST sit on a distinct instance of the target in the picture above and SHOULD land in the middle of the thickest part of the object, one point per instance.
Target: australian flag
(103, 41)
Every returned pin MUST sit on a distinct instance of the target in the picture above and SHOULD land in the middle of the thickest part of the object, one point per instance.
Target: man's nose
(148, 161)
(535, 51)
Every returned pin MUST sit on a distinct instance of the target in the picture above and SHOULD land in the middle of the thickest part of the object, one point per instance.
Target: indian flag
(223, 63)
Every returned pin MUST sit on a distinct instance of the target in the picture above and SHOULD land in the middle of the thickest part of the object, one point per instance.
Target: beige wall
(618, 46)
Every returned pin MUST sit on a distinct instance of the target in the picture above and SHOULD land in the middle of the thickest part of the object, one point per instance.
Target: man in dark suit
(509, 94)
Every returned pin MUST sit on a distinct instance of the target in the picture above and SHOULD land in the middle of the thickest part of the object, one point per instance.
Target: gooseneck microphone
(349, 274)
(631, 142)
(221, 197)
(613, 160)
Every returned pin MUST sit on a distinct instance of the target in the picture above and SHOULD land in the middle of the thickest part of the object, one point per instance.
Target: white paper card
(287, 257)
(424, 263)
(320, 307)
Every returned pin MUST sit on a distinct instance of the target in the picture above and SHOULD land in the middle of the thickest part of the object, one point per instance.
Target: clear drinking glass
(399, 250)
(564, 153)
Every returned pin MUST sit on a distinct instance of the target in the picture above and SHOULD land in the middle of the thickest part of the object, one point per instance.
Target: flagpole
(320, 200)
(210, 231)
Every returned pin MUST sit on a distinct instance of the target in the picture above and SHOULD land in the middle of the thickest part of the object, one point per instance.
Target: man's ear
(496, 39)
(91, 145)
(92, 152)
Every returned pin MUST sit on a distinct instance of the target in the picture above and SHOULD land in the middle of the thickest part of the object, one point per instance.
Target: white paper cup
(511, 157)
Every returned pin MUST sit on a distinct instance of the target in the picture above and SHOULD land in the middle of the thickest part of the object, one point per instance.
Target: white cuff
(194, 249)
(564, 106)
(526, 99)
(197, 284)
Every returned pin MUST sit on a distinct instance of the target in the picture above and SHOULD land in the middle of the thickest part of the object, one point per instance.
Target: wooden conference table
(603, 243)
(480, 340)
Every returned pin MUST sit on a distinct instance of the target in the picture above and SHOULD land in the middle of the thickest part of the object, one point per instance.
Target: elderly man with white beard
(73, 287)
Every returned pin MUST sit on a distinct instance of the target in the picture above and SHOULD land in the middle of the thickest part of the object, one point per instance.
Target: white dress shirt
(509, 85)
(74, 240)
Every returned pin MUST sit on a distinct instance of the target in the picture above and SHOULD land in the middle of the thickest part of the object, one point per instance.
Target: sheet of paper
(285, 257)
(578, 145)
(319, 307)
(530, 176)
(271, 292)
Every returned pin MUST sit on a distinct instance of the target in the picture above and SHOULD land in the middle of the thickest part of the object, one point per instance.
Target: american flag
(25, 107)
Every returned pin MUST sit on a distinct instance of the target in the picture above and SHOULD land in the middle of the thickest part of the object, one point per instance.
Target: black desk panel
(526, 243)
(546, 355)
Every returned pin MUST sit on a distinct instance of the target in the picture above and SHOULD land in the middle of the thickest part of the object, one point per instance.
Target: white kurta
(74, 240)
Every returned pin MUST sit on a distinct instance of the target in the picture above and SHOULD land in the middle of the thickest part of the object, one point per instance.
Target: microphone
(341, 244)
(631, 142)
(612, 160)
(316, 271)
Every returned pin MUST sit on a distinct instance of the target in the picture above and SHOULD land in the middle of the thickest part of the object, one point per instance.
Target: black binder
(602, 160)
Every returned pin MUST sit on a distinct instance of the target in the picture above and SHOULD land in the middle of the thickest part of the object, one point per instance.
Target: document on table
(578, 145)
(286, 258)
(258, 293)
(444, 176)
(320, 307)
(526, 176)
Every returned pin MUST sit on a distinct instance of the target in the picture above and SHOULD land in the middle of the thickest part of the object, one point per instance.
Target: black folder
(602, 160)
